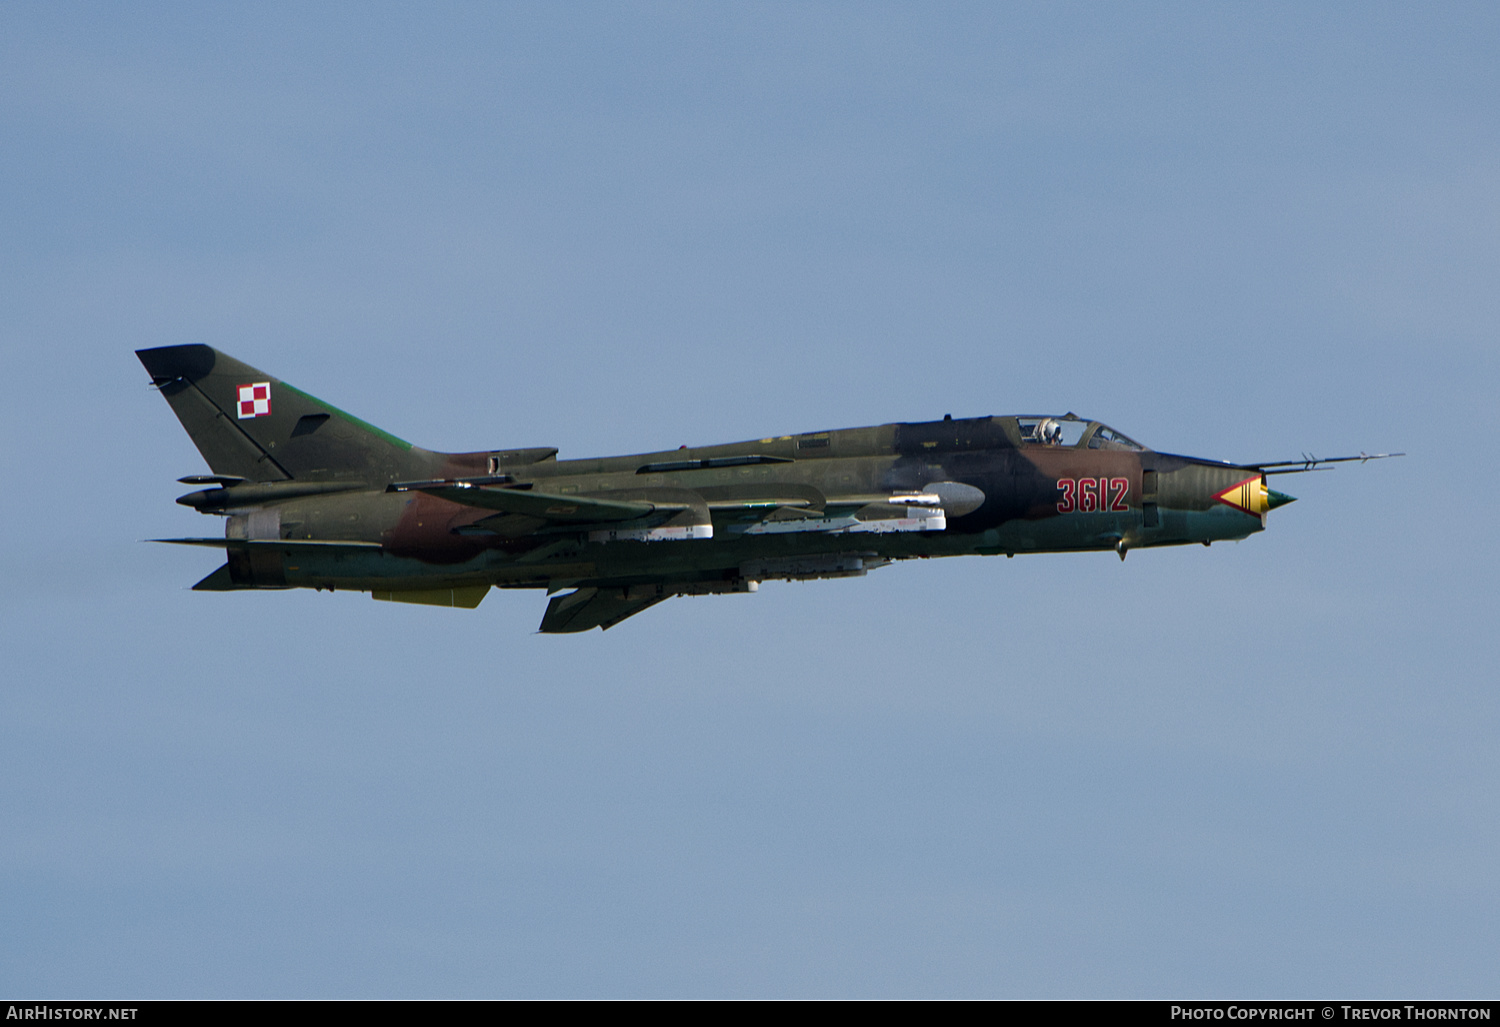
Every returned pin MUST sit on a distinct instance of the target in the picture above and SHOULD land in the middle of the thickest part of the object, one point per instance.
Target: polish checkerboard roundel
(255, 400)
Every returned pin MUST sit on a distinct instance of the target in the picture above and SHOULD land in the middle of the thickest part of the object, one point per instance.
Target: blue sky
(1242, 232)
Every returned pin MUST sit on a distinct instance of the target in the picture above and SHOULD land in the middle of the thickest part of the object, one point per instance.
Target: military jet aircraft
(316, 498)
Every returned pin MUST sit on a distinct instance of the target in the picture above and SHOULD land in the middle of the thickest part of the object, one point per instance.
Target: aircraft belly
(1219, 524)
(1065, 532)
(384, 570)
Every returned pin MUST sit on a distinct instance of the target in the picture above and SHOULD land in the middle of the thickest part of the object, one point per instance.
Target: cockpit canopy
(1072, 430)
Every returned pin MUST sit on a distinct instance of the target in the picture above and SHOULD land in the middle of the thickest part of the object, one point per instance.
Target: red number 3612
(1093, 495)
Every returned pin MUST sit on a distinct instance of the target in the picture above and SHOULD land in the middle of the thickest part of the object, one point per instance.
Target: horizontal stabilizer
(219, 581)
(269, 543)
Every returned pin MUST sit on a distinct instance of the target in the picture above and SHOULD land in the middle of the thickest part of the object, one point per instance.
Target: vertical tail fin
(251, 425)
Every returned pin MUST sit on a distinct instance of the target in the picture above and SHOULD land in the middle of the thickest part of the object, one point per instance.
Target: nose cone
(1252, 496)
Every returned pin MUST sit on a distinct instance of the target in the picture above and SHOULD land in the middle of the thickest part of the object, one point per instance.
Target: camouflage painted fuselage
(318, 499)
